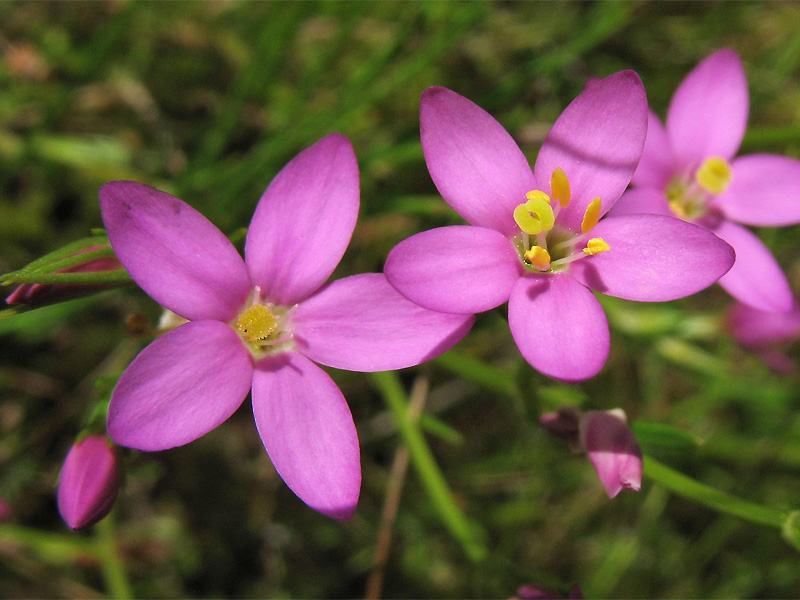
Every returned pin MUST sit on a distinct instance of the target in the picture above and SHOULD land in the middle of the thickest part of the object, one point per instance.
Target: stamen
(596, 246)
(591, 216)
(538, 257)
(714, 175)
(535, 215)
(559, 186)
(256, 323)
(676, 206)
(537, 195)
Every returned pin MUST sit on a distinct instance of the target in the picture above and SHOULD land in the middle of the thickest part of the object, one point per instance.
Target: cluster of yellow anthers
(263, 327)
(537, 217)
(686, 200)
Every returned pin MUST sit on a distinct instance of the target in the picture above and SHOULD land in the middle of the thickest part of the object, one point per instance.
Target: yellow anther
(537, 195)
(559, 186)
(596, 246)
(714, 175)
(536, 215)
(256, 323)
(538, 257)
(677, 207)
(591, 216)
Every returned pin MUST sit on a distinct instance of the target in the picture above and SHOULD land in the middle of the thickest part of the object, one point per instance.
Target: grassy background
(208, 100)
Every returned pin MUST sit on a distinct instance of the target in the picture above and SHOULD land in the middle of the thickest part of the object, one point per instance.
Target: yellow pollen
(256, 323)
(596, 246)
(591, 216)
(559, 186)
(536, 215)
(538, 257)
(714, 175)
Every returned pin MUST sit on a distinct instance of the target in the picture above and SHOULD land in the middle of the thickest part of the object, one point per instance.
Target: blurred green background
(208, 100)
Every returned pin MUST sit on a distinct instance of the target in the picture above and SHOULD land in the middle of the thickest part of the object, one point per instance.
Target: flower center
(264, 328)
(256, 323)
(689, 199)
(542, 245)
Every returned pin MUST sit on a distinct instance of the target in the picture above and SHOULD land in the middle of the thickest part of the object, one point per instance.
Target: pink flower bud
(89, 482)
(613, 450)
(39, 294)
(564, 424)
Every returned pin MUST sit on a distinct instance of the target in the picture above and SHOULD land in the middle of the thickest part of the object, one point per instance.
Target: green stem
(702, 494)
(114, 573)
(116, 276)
(428, 471)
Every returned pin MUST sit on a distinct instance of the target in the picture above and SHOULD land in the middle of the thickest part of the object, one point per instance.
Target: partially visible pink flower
(689, 169)
(606, 439)
(766, 333)
(39, 294)
(536, 238)
(262, 323)
(534, 591)
(89, 482)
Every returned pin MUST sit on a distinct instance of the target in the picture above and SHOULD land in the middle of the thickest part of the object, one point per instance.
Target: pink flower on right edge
(766, 333)
(537, 238)
(690, 169)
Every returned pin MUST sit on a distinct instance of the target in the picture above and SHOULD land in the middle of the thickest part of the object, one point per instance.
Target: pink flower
(689, 169)
(259, 323)
(766, 333)
(39, 294)
(607, 440)
(536, 238)
(89, 482)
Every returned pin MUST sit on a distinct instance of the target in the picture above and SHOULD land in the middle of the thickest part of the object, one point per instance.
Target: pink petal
(476, 165)
(89, 482)
(458, 269)
(642, 200)
(757, 329)
(559, 326)
(755, 278)
(613, 450)
(653, 258)
(308, 431)
(183, 385)
(303, 222)
(173, 252)
(708, 113)
(657, 165)
(361, 323)
(764, 190)
(598, 142)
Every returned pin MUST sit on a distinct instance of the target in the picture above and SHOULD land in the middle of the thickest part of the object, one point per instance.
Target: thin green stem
(96, 277)
(114, 573)
(388, 384)
(702, 494)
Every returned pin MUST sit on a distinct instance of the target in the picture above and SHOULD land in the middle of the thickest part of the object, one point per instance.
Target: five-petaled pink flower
(688, 169)
(536, 239)
(259, 323)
